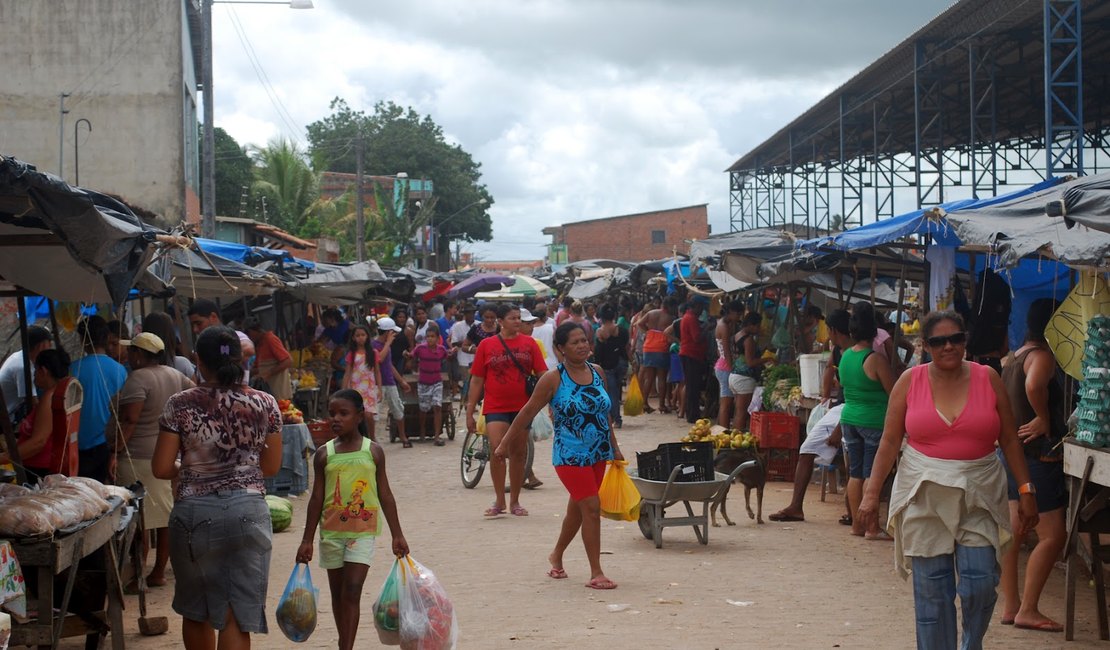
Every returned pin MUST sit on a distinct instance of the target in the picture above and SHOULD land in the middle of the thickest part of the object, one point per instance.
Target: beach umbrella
(478, 283)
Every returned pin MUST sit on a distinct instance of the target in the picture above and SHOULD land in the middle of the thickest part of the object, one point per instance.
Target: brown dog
(753, 475)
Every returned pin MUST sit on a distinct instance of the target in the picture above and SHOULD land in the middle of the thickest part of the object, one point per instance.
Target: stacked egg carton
(1094, 402)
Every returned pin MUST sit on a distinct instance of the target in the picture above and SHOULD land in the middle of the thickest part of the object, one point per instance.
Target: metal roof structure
(989, 93)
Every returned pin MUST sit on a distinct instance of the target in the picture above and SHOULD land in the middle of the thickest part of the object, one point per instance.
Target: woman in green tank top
(866, 379)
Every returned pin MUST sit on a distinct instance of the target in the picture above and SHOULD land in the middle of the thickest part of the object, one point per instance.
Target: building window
(659, 236)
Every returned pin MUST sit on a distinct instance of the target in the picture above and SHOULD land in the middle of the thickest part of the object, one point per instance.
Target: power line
(264, 79)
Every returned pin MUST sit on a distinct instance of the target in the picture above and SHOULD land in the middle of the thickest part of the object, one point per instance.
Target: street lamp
(437, 226)
(208, 160)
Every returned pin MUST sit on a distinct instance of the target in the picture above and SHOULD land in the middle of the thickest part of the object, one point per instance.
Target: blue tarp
(38, 307)
(250, 255)
(913, 223)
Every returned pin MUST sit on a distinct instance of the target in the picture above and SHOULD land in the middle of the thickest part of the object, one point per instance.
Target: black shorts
(1047, 477)
(501, 417)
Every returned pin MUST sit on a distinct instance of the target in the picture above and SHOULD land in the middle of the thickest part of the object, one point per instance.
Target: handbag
(530, 380)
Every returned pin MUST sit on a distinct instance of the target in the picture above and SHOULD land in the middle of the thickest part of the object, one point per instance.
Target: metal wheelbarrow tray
(657, 496)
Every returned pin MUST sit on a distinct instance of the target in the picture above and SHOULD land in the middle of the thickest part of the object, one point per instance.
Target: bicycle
(476, 453)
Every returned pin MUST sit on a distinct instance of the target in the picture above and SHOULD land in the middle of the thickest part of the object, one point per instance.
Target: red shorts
(581, 481)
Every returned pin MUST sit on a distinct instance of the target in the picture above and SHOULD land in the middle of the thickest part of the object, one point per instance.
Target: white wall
(122, 62)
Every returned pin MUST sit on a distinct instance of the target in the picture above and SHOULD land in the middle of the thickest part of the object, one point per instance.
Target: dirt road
(803, 585)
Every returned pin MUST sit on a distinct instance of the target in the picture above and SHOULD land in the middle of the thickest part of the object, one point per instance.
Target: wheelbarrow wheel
(647, 521)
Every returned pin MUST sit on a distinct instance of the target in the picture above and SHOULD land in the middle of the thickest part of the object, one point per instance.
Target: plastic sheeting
(250, 255)
(105, 246)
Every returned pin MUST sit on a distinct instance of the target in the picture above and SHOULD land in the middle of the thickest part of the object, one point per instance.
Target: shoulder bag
(530, 380)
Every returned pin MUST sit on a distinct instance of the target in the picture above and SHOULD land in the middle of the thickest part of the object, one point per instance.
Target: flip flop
(1043, 626)
(1007, 621)
(778, 516)
(519, 511)
(558, 574)
(880, 537)
(494, 511)
(532, 485)
(438, 442)
(648, 409)
(601, 583)
(845, 520)
(406, 444)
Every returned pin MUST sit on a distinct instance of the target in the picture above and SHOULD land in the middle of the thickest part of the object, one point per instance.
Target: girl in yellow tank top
(349, 495)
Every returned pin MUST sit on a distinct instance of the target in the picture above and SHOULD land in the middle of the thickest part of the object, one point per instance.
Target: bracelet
(1027, 488)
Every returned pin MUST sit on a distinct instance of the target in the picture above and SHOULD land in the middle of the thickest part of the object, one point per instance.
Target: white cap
(152, 343)
(526, 316)
(386, 324)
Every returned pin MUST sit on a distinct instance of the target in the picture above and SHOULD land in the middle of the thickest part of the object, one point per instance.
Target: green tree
(234, 174)
(396, 139)
(285, 181)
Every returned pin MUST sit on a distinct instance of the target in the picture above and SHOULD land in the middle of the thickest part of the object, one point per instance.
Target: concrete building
(629, 237)
(128, 67)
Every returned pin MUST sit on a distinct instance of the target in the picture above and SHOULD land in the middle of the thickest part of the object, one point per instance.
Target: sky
(575, 109)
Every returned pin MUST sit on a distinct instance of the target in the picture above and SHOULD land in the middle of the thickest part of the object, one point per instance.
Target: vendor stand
(1088, 473)
(59, 555)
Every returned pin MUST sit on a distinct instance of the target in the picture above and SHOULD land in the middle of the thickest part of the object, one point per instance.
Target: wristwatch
(1027, 488)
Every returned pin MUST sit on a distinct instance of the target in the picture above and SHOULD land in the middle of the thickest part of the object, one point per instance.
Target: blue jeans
(613, 387)
(934, 596)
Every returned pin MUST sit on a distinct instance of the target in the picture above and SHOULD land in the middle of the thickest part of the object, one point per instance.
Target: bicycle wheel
(475, 454)
(449, 423)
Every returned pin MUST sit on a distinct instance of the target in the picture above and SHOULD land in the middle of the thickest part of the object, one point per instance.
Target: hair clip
(225, 350)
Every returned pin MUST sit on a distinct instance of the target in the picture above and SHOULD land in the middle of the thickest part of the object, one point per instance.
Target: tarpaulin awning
(1020, 227)
(209, 276)
(918, 222)
(522, 287)
(479, 283)
(69, 243)
(348, 284)
(250, 255)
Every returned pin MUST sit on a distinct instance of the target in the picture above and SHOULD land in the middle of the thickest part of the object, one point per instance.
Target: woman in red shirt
(36, 446)
(501, 364)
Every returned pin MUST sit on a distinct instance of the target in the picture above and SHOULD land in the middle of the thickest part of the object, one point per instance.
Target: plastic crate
(285, 482)
(776, 430)
(320, 430)
(695, 457)
(781, 464)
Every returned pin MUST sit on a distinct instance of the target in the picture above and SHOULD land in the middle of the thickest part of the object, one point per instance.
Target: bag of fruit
(634, 401)
(427, 616)
(387, 613)
(620, 500)
(296, 611)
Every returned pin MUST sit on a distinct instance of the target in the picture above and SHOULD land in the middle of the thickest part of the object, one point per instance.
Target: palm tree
(284, 178)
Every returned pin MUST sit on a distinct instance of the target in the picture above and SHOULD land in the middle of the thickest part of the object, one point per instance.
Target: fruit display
(290, 414)
(704, 431)
(305, 378)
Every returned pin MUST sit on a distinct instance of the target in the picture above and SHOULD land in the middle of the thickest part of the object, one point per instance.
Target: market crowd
(973, 434)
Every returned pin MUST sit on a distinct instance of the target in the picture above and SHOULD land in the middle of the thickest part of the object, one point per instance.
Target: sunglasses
(959, 338)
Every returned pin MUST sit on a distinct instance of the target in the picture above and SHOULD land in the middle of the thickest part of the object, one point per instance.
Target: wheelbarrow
(657, 496)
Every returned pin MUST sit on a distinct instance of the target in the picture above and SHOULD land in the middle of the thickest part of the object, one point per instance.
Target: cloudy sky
(576, 109)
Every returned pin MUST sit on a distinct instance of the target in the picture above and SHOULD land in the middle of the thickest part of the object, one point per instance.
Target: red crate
(320, 430)
(776, 430)
(781, 464)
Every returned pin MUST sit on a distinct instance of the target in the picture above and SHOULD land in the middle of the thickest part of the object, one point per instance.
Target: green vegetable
(774, 374)
(281, 512)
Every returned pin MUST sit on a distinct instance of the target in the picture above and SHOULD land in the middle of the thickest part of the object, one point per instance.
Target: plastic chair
(835, 471)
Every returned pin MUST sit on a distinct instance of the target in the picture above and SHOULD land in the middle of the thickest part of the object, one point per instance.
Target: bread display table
(59, 555)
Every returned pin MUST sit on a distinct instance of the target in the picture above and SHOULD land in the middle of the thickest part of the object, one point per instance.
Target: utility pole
(61, 133)
(208, 147)
(360, 214)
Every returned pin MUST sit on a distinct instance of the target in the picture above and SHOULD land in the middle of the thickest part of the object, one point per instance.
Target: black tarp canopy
(69, 243)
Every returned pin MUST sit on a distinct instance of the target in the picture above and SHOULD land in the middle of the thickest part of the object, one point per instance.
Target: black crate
(695, 457)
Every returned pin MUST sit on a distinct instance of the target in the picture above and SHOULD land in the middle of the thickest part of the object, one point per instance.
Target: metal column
(1063, 87)
(983, 142)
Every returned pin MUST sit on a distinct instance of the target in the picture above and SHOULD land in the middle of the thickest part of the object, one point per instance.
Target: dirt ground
(802, 585)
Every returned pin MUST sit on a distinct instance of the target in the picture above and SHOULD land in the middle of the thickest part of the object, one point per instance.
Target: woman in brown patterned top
(228, 437)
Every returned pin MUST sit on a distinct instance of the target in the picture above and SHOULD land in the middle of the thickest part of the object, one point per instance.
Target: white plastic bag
(542, 427)
(815, 416)
(428, 620)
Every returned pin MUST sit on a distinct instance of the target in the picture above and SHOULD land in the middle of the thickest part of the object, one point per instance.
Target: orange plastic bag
(620, 500)
(634, 401)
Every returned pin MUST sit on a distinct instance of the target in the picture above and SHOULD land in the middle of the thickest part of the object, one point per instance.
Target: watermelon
(281, 512)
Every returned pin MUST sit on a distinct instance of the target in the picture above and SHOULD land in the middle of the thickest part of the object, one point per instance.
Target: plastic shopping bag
(480, 424)
(428, 619)
(815, 416)
(634, 401)
(542, 427)
(620, 500)
(296, 611)
(387, 610)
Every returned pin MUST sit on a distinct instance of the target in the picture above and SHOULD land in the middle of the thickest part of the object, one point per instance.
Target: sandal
(558, 574)
(438, 442)
(845, 520)
(601, 582)
(519, 511)
(494, 511)
(648, 409)
(532, 485)
(407, 444)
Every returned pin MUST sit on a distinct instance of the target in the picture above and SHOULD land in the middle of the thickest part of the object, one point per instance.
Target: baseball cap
(146, 341)
(386, 324)
(526, 316)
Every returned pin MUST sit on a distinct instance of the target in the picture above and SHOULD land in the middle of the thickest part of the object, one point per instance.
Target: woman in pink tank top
(948, 510)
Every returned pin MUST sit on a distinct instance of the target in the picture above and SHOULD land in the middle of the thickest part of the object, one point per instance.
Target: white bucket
(812, 369)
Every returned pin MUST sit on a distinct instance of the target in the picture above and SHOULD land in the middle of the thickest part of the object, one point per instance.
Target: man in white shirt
(544, 332)
(456, 336)
(11, 372)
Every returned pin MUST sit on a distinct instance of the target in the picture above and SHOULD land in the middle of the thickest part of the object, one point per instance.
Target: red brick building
(629, 237)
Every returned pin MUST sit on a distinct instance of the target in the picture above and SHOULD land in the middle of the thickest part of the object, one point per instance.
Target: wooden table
(1088, 473)
(59, 554)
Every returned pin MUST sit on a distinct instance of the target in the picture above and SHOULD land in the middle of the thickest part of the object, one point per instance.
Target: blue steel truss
(1063, 86)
